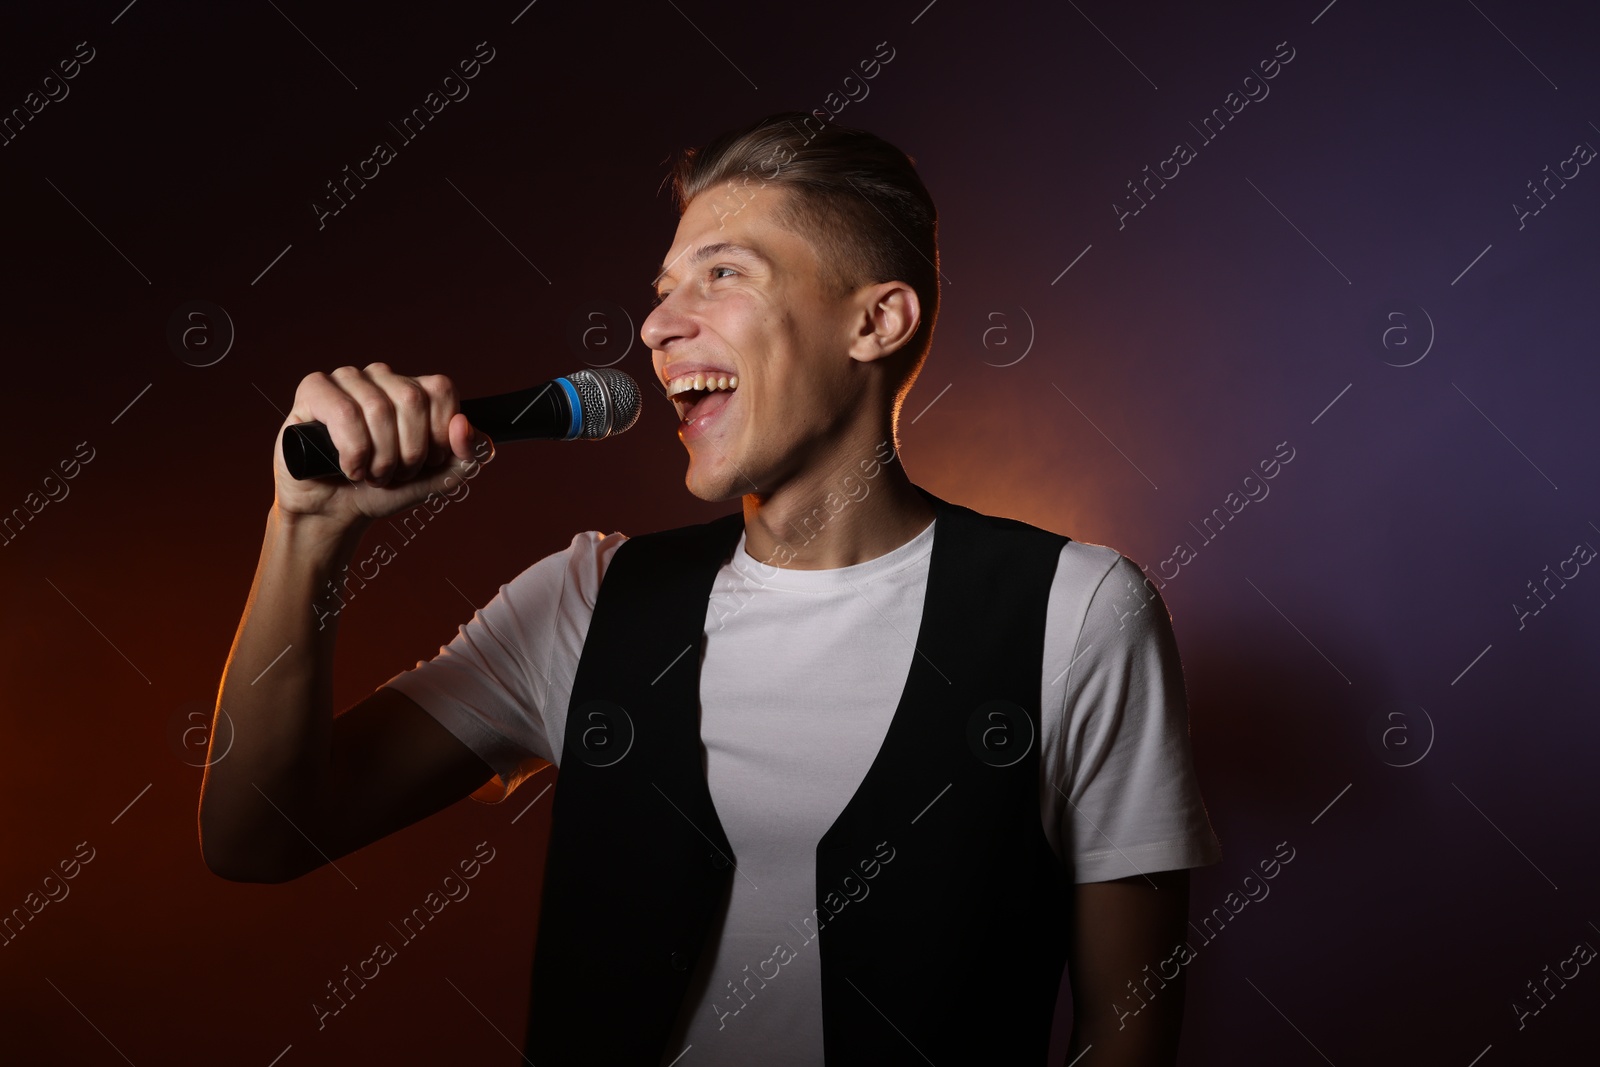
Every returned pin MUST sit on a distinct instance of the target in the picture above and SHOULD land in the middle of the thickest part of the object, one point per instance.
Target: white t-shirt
(802, 672)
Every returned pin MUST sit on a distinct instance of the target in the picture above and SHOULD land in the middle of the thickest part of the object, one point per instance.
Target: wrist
(336, 537)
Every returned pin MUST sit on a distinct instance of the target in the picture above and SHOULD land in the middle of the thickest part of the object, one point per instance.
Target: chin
(712, 494)
(715, 488)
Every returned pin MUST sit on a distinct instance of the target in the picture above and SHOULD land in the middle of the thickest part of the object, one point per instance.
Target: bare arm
(1120, 928)
(296, 787)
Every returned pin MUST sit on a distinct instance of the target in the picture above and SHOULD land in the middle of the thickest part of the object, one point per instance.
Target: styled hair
(857, 198)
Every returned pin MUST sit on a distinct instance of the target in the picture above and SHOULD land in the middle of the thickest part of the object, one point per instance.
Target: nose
(667, 322)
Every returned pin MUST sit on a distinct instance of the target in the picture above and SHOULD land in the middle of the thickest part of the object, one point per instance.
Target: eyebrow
(705, 252)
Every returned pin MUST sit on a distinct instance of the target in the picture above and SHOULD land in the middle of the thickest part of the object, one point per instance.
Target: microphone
(587, 403)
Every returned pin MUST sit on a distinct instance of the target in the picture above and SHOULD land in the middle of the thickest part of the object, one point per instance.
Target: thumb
(470, 449)
(469, 445)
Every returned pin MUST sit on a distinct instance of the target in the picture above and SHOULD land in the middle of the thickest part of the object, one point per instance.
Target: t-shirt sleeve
(501, 685)
(1130, 801)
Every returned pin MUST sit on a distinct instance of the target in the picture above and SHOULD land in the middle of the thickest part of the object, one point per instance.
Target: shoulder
(576, 570)
(585, 560)
(994, 547)
(1090, 581)
(1105, 598)
(1083, 567)
(1019, 530)
(683, 544)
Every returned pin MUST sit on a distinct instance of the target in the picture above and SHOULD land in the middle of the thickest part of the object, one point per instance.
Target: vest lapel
(941, 906)
(638, 860)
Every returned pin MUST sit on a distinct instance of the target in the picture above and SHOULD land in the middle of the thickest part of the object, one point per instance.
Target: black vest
(953, 950)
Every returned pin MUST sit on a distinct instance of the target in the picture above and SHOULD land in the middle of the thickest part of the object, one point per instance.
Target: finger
(378, 414)
(411, 406)
(442, 407)
(320, 398)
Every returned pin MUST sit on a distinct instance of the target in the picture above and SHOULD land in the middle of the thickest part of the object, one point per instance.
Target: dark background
(1361, 685)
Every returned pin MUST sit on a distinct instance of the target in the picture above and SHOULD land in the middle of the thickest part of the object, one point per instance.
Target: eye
(659, 297)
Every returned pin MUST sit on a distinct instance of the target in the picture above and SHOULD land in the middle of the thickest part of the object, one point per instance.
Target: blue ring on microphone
(575, 406)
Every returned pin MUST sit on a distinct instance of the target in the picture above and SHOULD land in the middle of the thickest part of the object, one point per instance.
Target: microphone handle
(550, 412)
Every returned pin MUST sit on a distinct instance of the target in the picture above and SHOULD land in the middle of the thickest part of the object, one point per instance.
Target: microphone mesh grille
(610, 401)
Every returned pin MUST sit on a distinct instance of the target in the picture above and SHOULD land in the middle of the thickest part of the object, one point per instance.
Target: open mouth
(697, 396)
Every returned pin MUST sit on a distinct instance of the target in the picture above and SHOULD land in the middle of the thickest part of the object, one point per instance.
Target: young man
(847, 777)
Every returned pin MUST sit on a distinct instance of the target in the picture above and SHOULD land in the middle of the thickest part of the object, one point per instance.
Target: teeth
(703, 382)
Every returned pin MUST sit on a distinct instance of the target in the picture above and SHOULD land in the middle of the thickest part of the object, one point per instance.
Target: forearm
(271, 733)
(1125, 1003)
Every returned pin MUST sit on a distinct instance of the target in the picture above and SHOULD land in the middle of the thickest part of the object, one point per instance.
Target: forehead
(735, 218)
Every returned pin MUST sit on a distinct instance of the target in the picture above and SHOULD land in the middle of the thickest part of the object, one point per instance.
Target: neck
(863, 508)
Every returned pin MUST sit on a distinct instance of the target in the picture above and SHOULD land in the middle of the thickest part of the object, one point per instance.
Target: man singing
(851, 775)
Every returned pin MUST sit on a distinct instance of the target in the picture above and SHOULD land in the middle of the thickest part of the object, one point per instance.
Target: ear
(885, 317)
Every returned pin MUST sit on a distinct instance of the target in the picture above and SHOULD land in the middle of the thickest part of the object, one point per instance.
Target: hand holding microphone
(372, 442)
